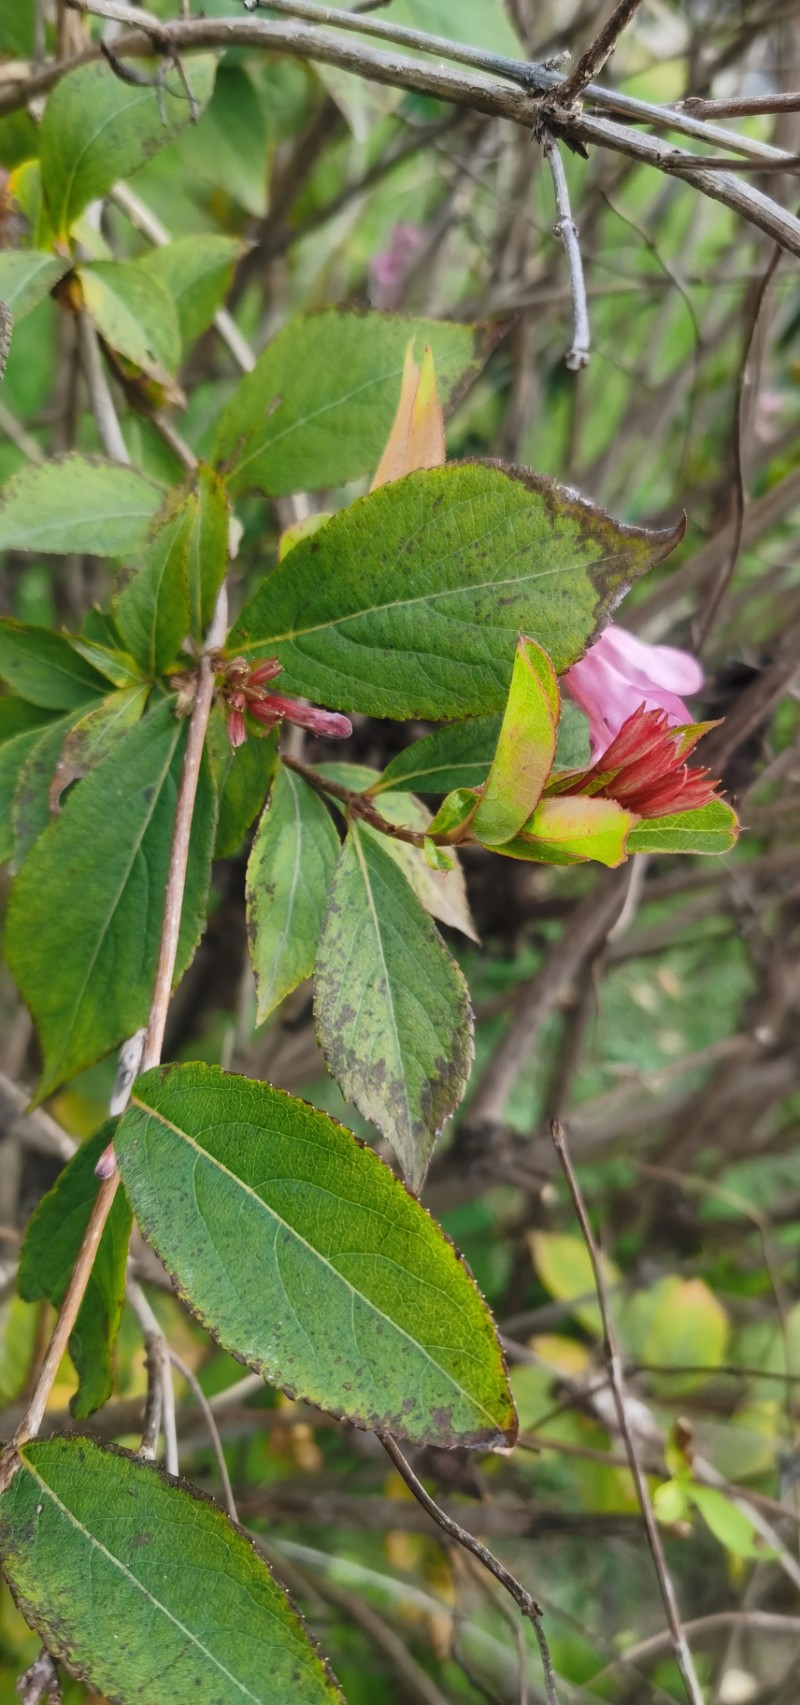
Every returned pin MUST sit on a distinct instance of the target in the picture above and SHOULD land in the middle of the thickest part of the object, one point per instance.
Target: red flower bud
(237, 732)
(644, 768)
(265, 671)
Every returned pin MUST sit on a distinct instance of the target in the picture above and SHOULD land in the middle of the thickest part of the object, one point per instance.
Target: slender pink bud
(106, 1165)
(237, 733)
(265, 671)
(323, 722)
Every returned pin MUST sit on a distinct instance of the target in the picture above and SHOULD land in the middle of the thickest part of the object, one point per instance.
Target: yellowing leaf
(567, 829)
(566, 1354)
(679, 1323)
(525, 748)
(563, 1265)
(417, 436)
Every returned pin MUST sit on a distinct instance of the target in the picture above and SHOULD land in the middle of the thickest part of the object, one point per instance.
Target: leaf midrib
(323, 1260)
(139, 1585)
(423, 598)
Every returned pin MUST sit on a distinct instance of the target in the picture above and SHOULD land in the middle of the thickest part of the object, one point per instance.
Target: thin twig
(541, 79)
(523, 1599)
(747, 385)
(357, 804)
(739, 106)
(192, 1380)
(767, 1621)
(39, 1685)
(160, 1407)
(517, 103)
(34, 1413)
(683, 1656)
(179, 853)
(598, 53)
(100, 398)
(566, 229)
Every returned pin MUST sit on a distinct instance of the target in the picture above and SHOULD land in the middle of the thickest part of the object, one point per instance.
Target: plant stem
(523, 1599)
(566, 229)
(165, 970)
(357, 804)
(34, 1413)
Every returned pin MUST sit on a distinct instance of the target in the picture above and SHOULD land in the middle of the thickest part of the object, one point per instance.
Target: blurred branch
(598, 53)
(526, 1604)
(746, 397)
(611, 1355)
(100, 398)
(566, 229)
(520, 103)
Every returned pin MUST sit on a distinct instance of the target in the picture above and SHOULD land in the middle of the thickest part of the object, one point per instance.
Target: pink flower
(621, 674)
(644, 769)
(388, 270)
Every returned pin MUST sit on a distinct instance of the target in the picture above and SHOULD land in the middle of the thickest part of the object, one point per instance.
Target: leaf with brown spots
(309, 1260)
(391, 1004)
(410, 603)
(90, 1538)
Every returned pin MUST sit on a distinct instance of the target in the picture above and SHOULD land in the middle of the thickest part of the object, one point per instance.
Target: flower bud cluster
(242, 688)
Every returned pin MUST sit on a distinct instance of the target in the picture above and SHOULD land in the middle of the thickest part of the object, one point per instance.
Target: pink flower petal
(650, 665)
(620, 672)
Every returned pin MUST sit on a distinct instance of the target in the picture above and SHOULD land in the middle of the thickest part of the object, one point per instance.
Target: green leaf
(197, 271)
(441, 888)
(49, 1251)
(565, 1269)
(411, 602)
(207, 557)
(288, 875)
(712, 828)
(42, 667)
(670, 1502)
(525, 748)
(730, 1525)
(96, 130)
(19, 1342)
(309, 1260)
(95, 735)
(231, 148)
(452, 757)
(91, 1537)
(318, 407)
(569, 828)
(485, 24)
(74, 503)
(86, 909)
(242, 779)
(152, 606)
(572, 739)
(435, 876)
(18, 31)
(135, 314)
(21, 728)
(26, 277)
(30, 813)
(116, 666)
(391, 1004)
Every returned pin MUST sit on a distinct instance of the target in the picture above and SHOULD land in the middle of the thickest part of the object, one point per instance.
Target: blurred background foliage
(672, 1053)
